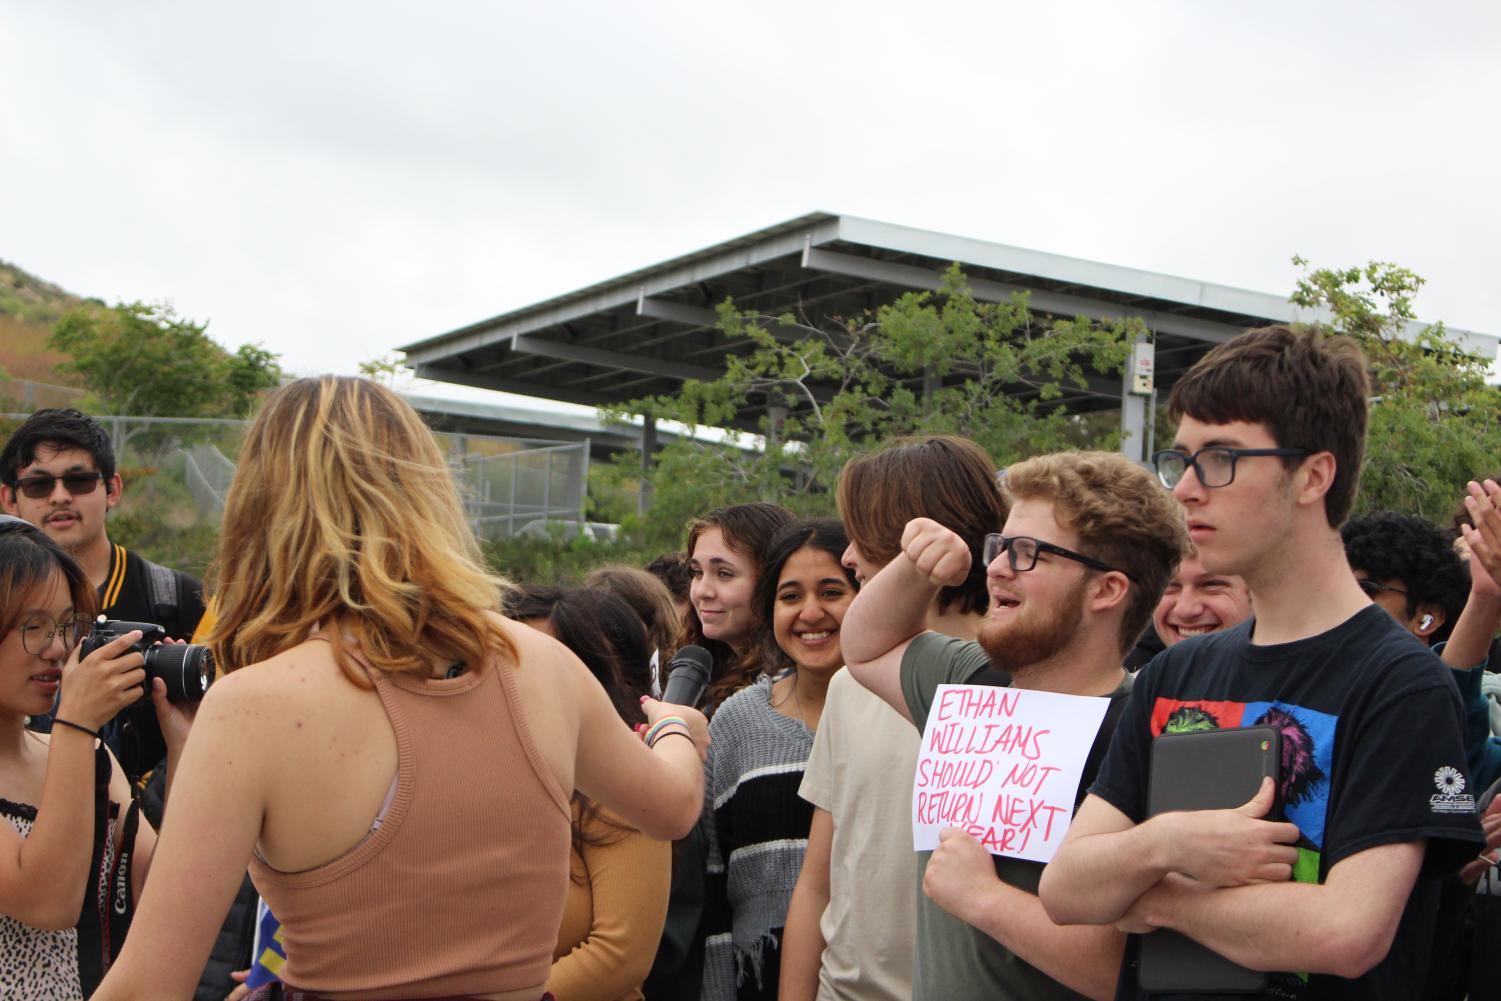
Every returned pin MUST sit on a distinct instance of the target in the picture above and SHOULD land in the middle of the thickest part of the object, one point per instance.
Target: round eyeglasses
(1214, 466)
(38, 629)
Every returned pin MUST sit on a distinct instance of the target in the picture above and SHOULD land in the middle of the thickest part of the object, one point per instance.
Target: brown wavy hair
(748, 528)
(344, 512)
(649, 598)
(1121, 514)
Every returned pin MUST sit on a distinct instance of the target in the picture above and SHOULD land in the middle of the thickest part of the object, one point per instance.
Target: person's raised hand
(958, 874)
(936, 552)
(1231, 847)
(1484, 539)
(97, 687)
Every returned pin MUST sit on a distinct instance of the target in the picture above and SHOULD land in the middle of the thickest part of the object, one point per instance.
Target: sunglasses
(40, 486)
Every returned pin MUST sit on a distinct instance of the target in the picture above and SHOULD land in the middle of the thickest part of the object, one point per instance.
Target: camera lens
(187, 668)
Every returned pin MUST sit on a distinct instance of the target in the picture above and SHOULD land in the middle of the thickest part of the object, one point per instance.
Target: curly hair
(1417, 553)
(1308, 390)
(1122, 517)
(943, 477)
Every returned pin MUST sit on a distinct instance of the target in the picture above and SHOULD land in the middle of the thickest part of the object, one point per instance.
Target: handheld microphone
(688, 675)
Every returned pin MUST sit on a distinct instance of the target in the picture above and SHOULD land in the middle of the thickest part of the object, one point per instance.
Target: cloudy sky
(335, 179)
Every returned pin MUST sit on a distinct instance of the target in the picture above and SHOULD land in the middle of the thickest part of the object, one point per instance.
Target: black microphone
(688, 675)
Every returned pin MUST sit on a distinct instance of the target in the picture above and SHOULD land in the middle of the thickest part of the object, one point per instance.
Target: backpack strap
(162, 585)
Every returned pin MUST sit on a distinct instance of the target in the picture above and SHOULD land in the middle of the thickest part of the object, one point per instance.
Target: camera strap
(121, 904)
(114, 866)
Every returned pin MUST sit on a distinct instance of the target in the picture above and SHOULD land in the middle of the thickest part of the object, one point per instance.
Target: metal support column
(1136, 402)
(648, 448)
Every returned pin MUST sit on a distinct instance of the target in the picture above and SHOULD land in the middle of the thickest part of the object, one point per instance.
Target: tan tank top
(460, 889)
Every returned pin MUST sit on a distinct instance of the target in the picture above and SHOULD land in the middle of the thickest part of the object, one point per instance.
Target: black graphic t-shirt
(1371, 755)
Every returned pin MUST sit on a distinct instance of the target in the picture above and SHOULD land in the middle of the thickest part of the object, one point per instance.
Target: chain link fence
(177, 473)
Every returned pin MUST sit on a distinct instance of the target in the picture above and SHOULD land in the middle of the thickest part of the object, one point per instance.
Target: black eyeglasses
(1022, 550)
(1375, 587)
(40, 486)
(38, 628)
(1214, 466)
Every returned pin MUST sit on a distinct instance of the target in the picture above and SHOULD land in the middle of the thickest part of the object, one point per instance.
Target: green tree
(388, 369)
(1435, 423)
(930, 362)
(143, 359)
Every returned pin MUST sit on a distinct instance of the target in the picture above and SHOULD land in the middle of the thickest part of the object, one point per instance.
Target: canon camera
(187, 668)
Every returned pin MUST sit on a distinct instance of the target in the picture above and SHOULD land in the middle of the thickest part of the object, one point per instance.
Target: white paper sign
(1004, 765)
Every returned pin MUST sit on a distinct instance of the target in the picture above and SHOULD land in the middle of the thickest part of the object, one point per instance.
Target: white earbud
(1425, 622)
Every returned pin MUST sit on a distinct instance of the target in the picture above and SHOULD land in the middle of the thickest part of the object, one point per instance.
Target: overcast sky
(333, 180)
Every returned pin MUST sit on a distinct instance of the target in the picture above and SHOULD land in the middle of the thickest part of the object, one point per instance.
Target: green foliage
(1435, 423)
(931, 363)
(558, 560)
(145, 360)
(386, 369)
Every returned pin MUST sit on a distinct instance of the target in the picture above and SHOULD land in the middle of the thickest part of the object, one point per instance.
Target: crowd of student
(449, 786)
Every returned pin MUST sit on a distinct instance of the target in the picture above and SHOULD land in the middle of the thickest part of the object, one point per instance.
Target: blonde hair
(1121, 514)
(343, 512)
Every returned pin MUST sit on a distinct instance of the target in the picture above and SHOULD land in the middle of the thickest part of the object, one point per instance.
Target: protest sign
(1003, 764)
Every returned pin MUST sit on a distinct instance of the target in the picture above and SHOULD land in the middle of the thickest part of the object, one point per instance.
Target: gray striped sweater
(756, 841)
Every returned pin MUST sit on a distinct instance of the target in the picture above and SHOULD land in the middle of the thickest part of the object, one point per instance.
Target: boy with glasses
(1266, 463)
(1073, 576)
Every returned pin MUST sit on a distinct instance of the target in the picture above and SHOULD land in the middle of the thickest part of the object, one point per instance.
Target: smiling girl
(760, 741)
(725, 549)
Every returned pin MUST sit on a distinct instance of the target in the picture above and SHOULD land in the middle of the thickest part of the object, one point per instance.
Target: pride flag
(270, 955)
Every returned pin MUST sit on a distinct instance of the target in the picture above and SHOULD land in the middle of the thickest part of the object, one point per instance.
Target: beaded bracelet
(674, 733)
(56, 721)
(664, 721)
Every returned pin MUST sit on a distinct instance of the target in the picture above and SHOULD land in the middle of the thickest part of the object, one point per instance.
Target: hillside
(28, 308)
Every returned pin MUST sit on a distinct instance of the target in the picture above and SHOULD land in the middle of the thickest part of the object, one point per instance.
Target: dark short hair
(943, 477)
(672, 569)
(826, 534)
(28, 558)
(1308, 390)
(1414, 552)
(56, 428)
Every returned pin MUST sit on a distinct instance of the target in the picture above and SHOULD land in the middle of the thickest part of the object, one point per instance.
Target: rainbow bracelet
(663, 724)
